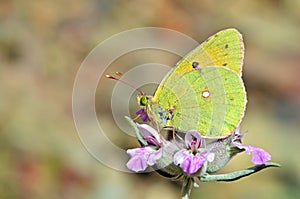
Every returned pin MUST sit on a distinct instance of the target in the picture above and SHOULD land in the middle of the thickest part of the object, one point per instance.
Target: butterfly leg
(136, 117)
(177, 138)
(171, 112)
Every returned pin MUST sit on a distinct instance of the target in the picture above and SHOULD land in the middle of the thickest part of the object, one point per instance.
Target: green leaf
(136, 131)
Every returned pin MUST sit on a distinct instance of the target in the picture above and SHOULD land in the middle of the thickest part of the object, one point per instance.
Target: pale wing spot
(205, 93)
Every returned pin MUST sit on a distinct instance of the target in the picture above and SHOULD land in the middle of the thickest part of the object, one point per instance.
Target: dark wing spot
(226, 46)
(225, 64)
(195, 65)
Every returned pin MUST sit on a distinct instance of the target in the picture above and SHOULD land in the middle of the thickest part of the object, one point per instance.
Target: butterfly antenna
(124, 82)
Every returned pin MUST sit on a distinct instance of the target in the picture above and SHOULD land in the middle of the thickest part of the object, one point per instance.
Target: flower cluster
(188, 156)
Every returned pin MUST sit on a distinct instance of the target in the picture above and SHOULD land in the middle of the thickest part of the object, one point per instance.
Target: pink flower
(192, 158)
(141, 158)
(143, 114)
(259, 156)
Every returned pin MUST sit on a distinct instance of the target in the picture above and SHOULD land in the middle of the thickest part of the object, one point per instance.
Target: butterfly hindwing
(210, 100)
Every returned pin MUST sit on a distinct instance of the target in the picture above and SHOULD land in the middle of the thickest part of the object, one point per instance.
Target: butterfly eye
(143, 101)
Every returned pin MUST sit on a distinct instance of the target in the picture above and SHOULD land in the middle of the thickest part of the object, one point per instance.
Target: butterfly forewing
(225, 49)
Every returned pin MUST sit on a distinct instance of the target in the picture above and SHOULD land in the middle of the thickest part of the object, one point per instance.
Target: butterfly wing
(211, 100)
(225, 48)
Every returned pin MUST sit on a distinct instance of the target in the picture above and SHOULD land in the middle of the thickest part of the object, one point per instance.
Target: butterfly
(204, 91)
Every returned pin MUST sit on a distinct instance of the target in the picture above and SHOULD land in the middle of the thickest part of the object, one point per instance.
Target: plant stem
(238, 174)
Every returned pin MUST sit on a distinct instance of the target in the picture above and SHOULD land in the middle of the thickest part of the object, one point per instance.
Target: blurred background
(42, 44)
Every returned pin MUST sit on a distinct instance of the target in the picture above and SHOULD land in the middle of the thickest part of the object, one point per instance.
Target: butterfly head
(143, 100)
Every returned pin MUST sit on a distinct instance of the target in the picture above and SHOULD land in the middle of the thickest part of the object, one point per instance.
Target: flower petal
(142, 157)
(180, 157)
(138, 160)
(259, 156)
(143, 114)
(154, 156)
(149, 134)
(190, 163)
(193, 140)
(137, 164)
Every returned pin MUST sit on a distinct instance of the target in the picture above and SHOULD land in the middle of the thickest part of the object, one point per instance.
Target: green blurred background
(42, 45)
